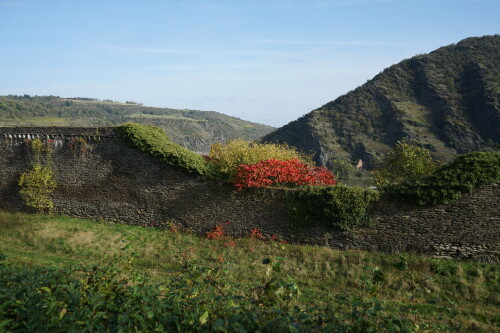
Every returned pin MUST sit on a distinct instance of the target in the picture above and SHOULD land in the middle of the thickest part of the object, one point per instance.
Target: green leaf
(62, 313)
(46, 289)
(203, 318)
(4, 323)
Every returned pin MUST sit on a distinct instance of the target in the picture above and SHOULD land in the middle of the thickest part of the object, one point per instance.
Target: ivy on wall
(337, 206)
(37, 183)
(153, 140)
(449, 182)
(79, 146)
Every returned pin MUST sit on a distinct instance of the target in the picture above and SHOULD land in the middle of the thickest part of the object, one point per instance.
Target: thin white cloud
(205, 67)
(204, 51)
(144, 50)
(12, 4)
(321, 4)
(229, 23)
(318, 4)
(325, 43)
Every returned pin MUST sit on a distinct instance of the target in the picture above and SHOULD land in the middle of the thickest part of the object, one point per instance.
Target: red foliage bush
(216, 233)
(285, 173)
(256, 233)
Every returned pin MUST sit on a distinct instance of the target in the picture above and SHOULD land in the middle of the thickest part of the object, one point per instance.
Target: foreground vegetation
(53, 278)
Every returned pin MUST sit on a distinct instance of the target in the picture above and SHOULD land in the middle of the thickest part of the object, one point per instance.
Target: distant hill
(195, 130)
(447, 100)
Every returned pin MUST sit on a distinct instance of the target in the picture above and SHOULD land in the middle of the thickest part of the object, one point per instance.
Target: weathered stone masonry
(118, 183)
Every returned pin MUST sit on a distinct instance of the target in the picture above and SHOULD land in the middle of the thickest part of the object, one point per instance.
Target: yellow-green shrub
(37, 184)
(227, 157)
(407, 161)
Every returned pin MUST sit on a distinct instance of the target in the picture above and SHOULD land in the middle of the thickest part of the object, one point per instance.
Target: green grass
(39, 120)
(160, 116)
(414, 113)
(460, 295)
(32, 121)
(45, 121)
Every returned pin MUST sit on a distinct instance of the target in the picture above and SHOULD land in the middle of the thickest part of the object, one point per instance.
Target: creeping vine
(37, 183)
(79, 145)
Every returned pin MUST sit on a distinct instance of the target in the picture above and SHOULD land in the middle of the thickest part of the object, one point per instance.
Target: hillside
(448, 100)
(195, 130)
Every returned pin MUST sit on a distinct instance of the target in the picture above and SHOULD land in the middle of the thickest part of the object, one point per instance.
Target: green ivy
(42, 152)
(448, 183)
(338, 206)
(37, 183)
(36, 186)
(153, 140)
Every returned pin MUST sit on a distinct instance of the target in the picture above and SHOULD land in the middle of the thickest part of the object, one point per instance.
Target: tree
(406, 161)
(342, 168)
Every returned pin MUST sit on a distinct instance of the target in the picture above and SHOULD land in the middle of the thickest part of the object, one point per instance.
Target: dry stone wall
(114, 182)
(467, 228)
(106, 179)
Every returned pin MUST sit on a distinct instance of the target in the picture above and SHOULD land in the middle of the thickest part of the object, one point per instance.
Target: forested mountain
(196, 130)
(447, 100)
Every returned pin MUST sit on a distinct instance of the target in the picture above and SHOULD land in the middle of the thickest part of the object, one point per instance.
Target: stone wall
(108, 180)
(467, 228)
(118, 183)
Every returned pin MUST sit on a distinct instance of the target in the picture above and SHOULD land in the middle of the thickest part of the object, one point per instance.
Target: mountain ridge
(447, 100)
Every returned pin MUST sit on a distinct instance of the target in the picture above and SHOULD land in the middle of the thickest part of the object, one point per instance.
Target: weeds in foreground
(113, 298)
(430, 293)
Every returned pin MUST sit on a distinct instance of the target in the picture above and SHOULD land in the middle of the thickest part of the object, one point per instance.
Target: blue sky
(266, 61)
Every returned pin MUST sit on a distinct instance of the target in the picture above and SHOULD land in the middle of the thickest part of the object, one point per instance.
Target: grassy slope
(436, 288)
(195, 130)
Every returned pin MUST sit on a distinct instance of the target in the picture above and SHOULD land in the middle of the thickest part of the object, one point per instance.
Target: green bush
(448, 183)
(338, 206)
(38, 183)
(153, 140)
(406, 161)
(105, 298)
(36, 186)
(343, 169)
